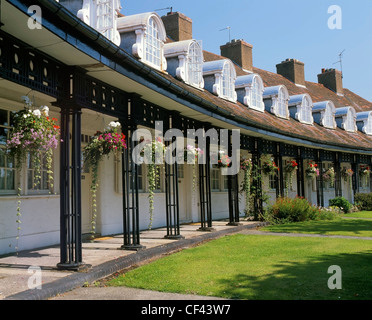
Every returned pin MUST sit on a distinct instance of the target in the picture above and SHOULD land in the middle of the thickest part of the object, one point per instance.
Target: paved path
(102, 255)
(106, 259)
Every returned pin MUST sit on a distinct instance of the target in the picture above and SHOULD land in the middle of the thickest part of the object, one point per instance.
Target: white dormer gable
(102, 15)
(300, 107)
(364, 121)
(324, 114)
(276, 100)
(346, 118)
(143, 35)
(219, 78)
(249, 89)
(185, 61)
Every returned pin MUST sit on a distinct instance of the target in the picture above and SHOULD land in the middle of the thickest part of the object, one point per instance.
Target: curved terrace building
(92, 65)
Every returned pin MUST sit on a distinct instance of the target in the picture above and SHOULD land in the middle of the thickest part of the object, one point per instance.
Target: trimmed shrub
(292, 210)
(363, 201)
(341, 203)
(287, 210)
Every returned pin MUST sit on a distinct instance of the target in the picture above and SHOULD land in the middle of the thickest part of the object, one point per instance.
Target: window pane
(3, 135)
(2, 179)
(4, 118)
(10, 180)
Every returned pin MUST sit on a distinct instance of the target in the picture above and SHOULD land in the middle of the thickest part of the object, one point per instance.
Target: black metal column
(233, 196)
(233, 191)
(257, 184)
(320, 185)
(70, 191)
(355, 177)
(171, 198)
(131, 231)
(300, 177)
(338, 185)
(205, 192)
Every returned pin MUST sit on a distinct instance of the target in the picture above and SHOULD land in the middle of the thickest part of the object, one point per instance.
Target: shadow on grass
(306, 281)
(347, 226)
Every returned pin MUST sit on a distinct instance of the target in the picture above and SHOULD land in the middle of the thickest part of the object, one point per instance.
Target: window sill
(26, 197)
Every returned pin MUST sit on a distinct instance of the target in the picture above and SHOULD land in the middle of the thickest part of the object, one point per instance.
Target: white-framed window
(368, 125)
(273, 181)
(215, 179)
(329, 117)
(7, 162)
(228, 82)
(282, 103)
(105, 17)
(349, 122)
(102, 16)
(256, 94)
(37, 181)
(194, 64)
(153, 44)
(306, 111)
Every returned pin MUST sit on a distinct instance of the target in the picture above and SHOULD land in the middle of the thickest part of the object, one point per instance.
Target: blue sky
(283, 29)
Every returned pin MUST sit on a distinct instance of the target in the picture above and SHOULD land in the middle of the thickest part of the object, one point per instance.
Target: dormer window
(153, 44)
(364, 122)
(102, 15)
(346, 118)
(185, 61)
(219, 78)
(143, 35)
(300, 107)
(324, 114)
(276, 100)
(249, 89)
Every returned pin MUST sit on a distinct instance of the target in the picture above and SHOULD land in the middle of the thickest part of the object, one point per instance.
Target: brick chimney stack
(293, 70)
(331, 79)
(239, 52)
(178, 26)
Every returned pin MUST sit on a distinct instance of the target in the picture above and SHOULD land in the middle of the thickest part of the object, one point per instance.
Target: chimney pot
(331, 79)
(178, 26)
(293, 70)
(240, 52)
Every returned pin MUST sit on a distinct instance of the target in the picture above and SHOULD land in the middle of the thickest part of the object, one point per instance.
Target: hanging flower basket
(223, 160)
(312, 171)
(347, 173)
(246, 166)
(289, 169)
(149, 152)
(329, 176)
(33, 133)
(102, 144)
(291, 166)
(269, 166)
(364, 173)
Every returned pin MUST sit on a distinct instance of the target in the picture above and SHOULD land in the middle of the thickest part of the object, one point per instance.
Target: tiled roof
(291, 127)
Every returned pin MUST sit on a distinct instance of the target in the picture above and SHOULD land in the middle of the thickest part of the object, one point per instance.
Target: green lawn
(346, 227)
(360, 214)
(261, 267)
